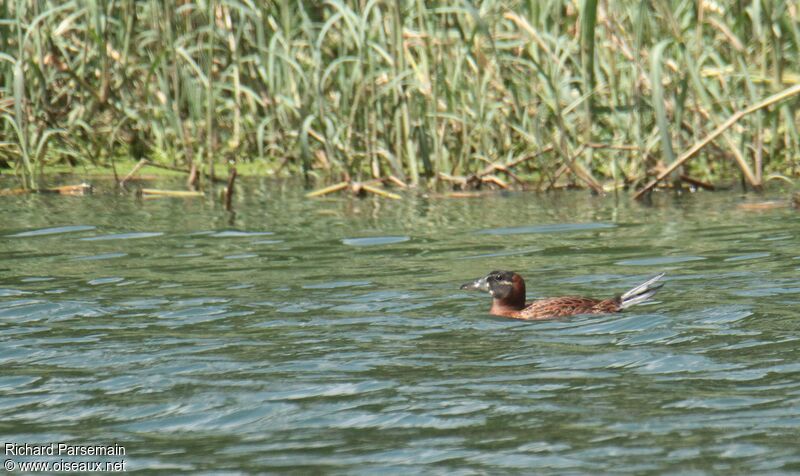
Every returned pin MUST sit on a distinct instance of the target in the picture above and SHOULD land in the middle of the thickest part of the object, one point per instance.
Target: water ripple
(240, 234)
(554, 228)
(53, 231)
(123, 236)
(217, 350)
(375, 240)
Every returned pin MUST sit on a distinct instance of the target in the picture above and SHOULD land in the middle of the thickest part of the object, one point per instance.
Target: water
(330, 335)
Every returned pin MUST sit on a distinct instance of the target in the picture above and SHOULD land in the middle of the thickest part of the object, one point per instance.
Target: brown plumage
(508, 292)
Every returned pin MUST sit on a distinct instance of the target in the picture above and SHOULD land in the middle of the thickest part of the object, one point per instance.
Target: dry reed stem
(778, 97)
(133, 171)
(229, 189)
(170, 193)
(328, 190)
(380, 192)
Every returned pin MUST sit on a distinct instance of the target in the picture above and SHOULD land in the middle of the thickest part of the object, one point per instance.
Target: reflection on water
(331, 335)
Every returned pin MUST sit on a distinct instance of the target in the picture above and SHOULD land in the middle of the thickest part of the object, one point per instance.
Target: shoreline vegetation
(371, 95)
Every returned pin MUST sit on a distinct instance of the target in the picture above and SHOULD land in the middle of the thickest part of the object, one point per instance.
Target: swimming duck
(508, 292)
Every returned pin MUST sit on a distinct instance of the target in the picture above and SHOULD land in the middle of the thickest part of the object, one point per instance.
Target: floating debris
(766, 205)
(358, 189)
(79, 189)
(14, 191)
(152, 192)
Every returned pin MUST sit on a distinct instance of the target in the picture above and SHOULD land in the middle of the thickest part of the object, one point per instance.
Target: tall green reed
(418, 90)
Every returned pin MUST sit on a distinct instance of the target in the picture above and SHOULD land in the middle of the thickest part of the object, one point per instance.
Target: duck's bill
(480, 284)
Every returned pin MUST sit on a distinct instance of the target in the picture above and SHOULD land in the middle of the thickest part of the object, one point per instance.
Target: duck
(507, 289)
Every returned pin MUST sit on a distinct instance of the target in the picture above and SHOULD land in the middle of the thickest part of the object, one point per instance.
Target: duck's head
(506, 287)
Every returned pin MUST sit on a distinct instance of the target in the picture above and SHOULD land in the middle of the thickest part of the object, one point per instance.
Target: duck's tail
(641, 293)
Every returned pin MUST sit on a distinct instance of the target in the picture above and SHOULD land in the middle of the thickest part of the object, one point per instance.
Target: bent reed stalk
(566, 93)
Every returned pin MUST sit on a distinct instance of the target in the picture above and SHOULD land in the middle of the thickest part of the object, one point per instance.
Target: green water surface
(330, 335)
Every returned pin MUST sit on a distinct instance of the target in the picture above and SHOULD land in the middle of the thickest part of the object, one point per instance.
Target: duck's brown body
(508, 291)
(557, 307)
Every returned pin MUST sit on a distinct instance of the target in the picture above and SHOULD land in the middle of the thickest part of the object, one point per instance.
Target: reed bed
(528, 93)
